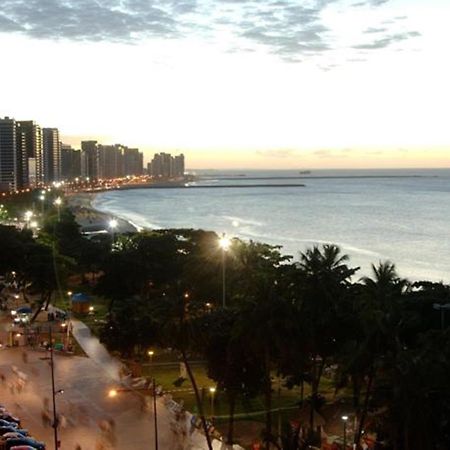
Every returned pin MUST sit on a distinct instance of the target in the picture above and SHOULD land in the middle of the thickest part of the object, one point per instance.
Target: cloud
(283, 26)
(388, 40)
(279, 153)
(289, 29)
(371, 30)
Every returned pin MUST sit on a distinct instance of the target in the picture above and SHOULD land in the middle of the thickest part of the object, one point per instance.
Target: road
(85, 402)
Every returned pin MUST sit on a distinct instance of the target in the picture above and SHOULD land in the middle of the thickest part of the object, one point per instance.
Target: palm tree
(380, 314)
(321, 283)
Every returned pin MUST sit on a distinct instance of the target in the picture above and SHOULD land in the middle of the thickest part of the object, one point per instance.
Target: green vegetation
(373, 347)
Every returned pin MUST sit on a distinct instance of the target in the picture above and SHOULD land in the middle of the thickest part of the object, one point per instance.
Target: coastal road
(85, 402)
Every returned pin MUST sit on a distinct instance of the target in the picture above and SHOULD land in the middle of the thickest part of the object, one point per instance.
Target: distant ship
(305, 172)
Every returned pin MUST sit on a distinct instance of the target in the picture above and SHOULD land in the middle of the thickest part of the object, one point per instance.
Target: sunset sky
(236, 83)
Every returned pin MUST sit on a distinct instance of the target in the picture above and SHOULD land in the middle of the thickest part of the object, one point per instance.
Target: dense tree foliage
(385, 345)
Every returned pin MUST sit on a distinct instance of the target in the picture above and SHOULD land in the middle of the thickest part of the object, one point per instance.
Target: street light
(212, 391)
(113, 225)
(42, 199)
(345, 418)
(224, 244)
(442, 307)
(28, 215)
(150, 353)
(58, 203)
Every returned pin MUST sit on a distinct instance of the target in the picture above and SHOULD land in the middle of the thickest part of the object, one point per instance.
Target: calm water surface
(404, 219)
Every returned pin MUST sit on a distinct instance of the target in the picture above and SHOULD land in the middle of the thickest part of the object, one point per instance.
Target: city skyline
(234, 84)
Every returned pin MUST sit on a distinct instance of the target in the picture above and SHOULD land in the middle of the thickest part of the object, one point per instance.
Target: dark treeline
(387, 347)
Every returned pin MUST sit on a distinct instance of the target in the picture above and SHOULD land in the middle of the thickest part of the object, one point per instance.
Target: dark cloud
(388, 40)
(290, 29)
(112, 20)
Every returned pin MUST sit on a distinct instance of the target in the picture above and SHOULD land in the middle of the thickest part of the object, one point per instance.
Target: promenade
(85, 403)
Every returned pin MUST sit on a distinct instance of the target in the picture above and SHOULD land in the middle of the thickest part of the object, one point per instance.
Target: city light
(112, 393)
(113, 224)
(28, 215)
(224, 242)
(58, 201)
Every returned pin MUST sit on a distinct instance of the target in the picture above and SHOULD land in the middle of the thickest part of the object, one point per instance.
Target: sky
(236, 83)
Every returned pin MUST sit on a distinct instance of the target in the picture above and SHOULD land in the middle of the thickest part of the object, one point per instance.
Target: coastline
(92, 220)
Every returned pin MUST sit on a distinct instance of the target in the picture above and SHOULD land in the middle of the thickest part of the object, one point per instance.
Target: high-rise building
(164, 165)
(133, 161)
(51, 156)
(90, 160)
(111, 161)
(70, 162)
(32, 134)
(8, 155)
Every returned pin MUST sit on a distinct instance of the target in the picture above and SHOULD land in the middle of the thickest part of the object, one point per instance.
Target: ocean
(374, 215)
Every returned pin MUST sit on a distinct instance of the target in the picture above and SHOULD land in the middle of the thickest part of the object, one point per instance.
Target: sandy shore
(91, 219)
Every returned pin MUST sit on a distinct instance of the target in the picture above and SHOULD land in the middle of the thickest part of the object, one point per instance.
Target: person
(25, 356)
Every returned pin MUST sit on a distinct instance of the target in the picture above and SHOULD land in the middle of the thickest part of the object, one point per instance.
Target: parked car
(4, 430)
(8, 417)
(14, 442)
(7, 423)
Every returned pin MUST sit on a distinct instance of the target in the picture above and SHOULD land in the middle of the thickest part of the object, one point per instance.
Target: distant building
(70, 162)
(32, 135)
(164, 165)
(133, 161)
(51, 155)
(90, 160)
(111, 161)
(8, 155)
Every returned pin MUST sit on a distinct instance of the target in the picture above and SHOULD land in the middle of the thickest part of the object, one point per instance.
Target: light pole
(42, 199)
(58, 203)
(150, 354)
(155, 414)
(28, 215)
(113, 225)
(212, 391)
(442, 307)
(54, 392)
(345, 418)
(224, 244)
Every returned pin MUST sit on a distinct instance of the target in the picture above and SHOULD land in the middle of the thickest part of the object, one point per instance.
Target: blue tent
(80, 298)
(24, 310)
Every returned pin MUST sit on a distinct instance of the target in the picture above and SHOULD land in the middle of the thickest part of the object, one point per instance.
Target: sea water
(398, 215)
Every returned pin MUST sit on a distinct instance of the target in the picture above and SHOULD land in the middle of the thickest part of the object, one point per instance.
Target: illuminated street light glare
(112, 393)
(58, 201)
(28, 215)
(33, 224)
(113, 223)
(212, 390)
(344, 418)
(91, 308)
(69, 293)
(151, 353)
(224, 243)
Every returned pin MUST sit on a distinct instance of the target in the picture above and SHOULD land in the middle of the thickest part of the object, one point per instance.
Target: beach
(92, 220)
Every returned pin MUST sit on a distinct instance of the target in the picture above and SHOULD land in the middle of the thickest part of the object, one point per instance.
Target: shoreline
(92, 220)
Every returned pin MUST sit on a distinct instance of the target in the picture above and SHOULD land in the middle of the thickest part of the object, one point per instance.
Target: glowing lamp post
(28, 215)
(345, 418)
(113, 225)
(42, 199)
(212, 391)
(58, 203)
(224, 244)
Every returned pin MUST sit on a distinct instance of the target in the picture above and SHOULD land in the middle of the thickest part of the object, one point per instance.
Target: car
(13, 434)
(22, 447)
(4, 430)
(8, 417)
(14, 442)
(7, 423)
